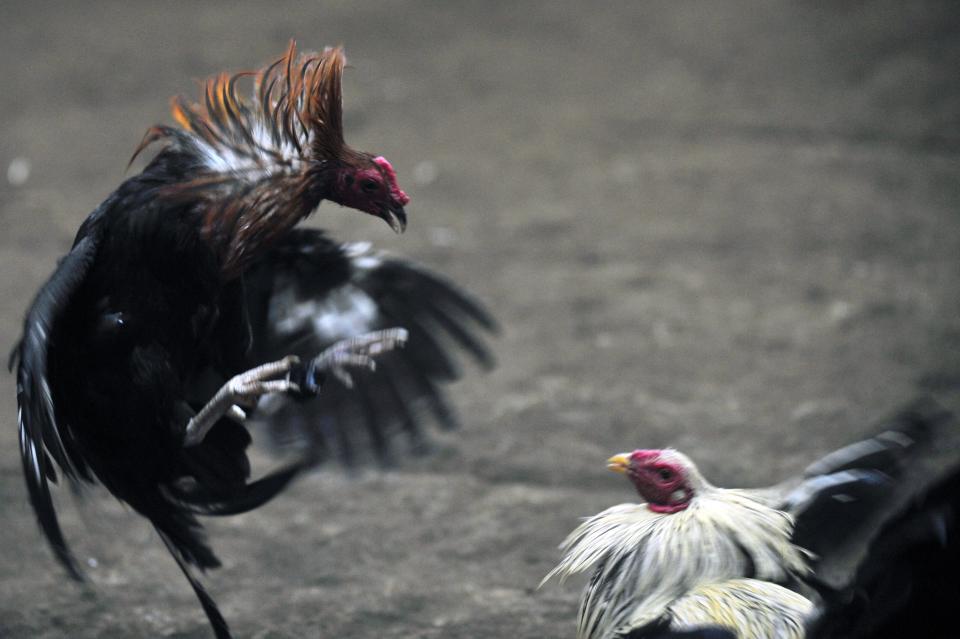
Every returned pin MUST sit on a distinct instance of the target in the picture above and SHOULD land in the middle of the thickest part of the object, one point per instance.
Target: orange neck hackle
(258, 166)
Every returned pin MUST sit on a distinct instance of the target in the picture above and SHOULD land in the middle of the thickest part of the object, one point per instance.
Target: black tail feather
(181, 529)
(39, 491)
(199, 501)
(217, 622)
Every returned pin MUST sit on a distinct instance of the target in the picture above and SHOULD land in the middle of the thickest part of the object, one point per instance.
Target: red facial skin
(660, 481)
(372, 189)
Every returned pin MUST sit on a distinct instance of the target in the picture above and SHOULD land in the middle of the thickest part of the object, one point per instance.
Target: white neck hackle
(644, 560)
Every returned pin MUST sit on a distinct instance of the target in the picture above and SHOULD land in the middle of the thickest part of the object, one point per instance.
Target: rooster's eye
(368, 186)
(664, 473)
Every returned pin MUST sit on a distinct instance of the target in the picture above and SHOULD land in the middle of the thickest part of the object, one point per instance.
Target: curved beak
(619, 463)
(396, 217)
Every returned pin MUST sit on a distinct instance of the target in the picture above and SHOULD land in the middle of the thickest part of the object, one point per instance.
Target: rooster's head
(255, 166)
(666, 479)
(369, 184)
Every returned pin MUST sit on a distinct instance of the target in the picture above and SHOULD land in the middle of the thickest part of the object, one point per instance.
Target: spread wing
(908, 578)
(884, 516)
(847, 497)
(44, 441)
(310, 292)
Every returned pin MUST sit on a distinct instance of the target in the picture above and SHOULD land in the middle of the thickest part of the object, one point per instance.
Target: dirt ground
(730, 227)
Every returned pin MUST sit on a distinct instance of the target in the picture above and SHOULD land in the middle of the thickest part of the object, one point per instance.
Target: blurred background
(729, 227)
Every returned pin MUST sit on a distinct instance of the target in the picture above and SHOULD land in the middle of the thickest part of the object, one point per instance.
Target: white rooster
(811, 557)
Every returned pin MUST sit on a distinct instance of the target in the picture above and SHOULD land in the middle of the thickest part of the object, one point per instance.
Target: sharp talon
(245, 388)
(354, 352)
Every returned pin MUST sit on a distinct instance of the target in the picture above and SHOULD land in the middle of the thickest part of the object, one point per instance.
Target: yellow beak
(619, 463)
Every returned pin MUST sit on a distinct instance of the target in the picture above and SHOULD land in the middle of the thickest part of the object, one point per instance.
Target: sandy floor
(730, 227)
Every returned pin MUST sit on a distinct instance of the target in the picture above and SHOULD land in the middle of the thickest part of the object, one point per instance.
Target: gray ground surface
(731, 227)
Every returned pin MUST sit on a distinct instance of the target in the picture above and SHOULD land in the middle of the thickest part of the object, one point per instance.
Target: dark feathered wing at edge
(849, 496)
(42, 439)
(883, 516)
(310, 292)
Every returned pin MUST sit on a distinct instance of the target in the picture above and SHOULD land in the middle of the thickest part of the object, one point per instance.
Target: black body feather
(110, 343)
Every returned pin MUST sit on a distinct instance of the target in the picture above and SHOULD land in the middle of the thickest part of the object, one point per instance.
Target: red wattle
(668, 508)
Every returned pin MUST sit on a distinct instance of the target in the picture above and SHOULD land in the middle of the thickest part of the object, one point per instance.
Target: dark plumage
(152, 303)
(883, 518)
(310, 292)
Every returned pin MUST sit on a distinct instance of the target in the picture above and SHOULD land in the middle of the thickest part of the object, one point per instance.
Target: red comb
(399, 196)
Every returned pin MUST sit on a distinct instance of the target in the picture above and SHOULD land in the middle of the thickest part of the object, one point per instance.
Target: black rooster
(152, 302)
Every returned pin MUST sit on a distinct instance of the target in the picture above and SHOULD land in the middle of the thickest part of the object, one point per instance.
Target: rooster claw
(244, 389)
(353, 353)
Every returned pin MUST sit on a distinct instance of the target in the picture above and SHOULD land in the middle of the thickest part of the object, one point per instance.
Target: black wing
(907, 583)
(882, 515)
(42, 439)
(310, 292)
(848, 496)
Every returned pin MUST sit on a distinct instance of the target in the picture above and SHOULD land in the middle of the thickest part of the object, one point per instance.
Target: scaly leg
(354, 352)
(245, 388)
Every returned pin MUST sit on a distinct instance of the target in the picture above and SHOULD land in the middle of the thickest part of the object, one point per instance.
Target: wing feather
(848, 496)
(310, 292)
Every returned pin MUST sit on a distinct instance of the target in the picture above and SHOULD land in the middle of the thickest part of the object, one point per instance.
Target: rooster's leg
(244, 388)
(355, 352)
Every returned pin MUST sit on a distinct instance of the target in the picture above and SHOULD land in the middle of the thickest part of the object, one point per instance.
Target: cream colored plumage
(652, 565)
(756, 609)
(695, 560)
